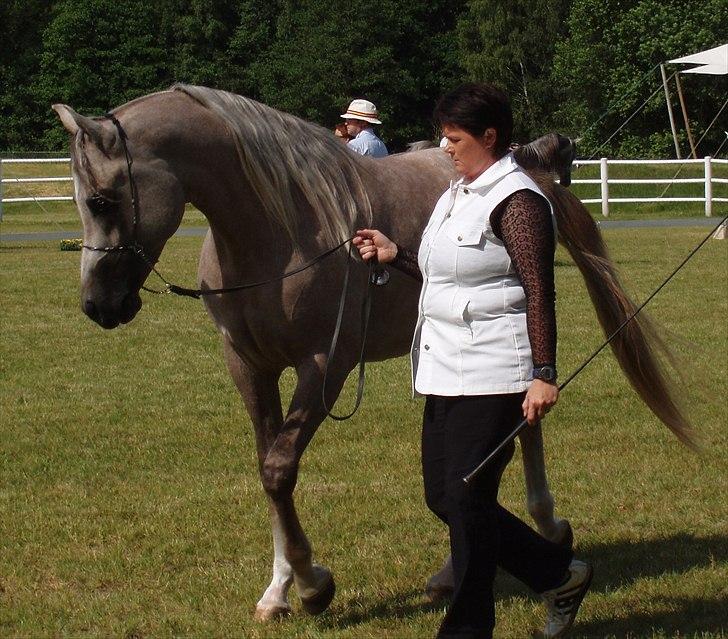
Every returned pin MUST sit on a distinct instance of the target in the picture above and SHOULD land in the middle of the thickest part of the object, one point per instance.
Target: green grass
(130, 504)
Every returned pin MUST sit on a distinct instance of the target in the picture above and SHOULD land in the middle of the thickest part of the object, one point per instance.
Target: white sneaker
(563, 603)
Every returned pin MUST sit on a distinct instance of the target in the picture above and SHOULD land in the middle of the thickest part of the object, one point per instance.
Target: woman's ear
(490, 138)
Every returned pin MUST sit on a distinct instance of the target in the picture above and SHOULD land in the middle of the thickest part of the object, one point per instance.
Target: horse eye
(99, 204)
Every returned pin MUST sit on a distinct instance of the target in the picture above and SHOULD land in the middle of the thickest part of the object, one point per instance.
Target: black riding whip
(524, 422)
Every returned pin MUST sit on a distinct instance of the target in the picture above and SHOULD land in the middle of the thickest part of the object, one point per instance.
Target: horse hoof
(438, 593)
(321, 600)
(271, 613)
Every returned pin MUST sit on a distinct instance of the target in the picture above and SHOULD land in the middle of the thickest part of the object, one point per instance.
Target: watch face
(545, 373)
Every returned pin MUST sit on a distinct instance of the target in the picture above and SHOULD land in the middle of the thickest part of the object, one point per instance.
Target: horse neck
(201, 153)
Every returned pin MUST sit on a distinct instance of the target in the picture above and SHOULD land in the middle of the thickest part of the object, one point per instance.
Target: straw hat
(362, 110)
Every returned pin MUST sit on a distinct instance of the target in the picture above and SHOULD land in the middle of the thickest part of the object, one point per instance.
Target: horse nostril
(89, 308)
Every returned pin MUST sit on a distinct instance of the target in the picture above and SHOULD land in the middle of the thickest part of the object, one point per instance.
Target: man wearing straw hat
(359, 118)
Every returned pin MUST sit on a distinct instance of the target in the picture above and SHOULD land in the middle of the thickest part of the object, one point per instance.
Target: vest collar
(507, 164)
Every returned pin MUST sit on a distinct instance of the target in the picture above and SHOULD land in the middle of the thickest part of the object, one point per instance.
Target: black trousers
(457, 434)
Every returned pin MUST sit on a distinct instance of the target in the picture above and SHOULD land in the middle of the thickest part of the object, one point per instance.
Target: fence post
(708, 187)
(605, 186)
(1, 190)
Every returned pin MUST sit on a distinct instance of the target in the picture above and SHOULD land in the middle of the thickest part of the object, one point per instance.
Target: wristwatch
(545, 373)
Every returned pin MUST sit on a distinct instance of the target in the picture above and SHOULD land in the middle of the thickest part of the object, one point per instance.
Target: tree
(607, 67)
(96, 55)
(400, 56)
(302, 57)
(512, 45)
(23, 22)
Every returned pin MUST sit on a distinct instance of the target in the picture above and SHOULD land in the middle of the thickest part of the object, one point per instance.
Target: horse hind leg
(539, 500)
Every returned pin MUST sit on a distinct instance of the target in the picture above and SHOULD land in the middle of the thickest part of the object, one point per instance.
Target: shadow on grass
(394, 605)
(683, 616)
(617, 564)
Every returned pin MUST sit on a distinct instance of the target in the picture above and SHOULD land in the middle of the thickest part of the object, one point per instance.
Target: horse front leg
(260, 394)
(279, 473)
(539, 501)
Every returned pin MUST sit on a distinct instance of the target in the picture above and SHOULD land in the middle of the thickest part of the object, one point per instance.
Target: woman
(484, 353)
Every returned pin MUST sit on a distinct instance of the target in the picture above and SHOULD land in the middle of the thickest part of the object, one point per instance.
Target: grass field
(130, 504)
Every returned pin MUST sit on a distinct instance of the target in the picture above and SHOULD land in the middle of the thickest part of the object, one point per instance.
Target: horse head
(127, 213)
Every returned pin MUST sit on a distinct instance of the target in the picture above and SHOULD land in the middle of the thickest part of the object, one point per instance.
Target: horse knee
(278, 477)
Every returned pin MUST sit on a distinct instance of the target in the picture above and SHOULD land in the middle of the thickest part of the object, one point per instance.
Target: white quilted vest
(471, 336)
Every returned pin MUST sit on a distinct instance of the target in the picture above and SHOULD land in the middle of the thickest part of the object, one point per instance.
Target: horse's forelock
(283, 155)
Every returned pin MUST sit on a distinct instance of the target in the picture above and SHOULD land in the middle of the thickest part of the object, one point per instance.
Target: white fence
(604, 181)
(35, 180)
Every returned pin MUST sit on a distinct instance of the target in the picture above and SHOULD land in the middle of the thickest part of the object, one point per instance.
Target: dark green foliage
(564, 62)
(399, 56)
(304, 58)
(98, 54)
(511, 45)
(606, 62)
(21, 33)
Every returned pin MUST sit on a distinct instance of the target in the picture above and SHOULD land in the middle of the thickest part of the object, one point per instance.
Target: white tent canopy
(712, 61)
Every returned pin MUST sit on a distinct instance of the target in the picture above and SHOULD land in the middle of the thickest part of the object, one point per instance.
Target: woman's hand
(541, 396)
(373, 243)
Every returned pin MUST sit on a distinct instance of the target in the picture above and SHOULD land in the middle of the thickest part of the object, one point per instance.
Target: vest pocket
(469, 236)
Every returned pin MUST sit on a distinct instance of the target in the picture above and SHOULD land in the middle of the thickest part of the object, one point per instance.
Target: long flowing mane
(284, 157)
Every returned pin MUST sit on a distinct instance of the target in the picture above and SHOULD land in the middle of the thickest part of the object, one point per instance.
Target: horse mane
(284, 157)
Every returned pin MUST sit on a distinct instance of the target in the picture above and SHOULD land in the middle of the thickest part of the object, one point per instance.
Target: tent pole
(678, 84)
(669, 111)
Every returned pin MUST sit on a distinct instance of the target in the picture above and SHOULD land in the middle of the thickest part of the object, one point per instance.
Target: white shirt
(471, 336)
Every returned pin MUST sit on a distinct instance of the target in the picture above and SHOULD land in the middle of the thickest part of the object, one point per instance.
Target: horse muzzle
(108, 314)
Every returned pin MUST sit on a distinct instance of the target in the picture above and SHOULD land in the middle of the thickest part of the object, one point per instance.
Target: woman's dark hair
(475, 108)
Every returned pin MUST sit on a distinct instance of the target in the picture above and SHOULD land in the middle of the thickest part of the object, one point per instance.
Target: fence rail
(32, 180)
(604, 181)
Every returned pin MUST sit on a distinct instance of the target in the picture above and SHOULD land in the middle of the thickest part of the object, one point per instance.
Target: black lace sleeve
(523, 223)
(406, 261)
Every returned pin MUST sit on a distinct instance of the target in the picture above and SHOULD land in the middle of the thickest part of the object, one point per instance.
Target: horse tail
(551, 152)
(638, 347)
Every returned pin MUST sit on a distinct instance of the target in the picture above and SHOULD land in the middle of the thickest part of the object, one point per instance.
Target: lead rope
(469, 478)
(365, 309)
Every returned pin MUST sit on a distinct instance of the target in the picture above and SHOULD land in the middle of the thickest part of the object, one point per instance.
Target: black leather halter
(134, 246)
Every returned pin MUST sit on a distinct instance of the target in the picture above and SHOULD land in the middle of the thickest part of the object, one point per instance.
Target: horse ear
(100, 135)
